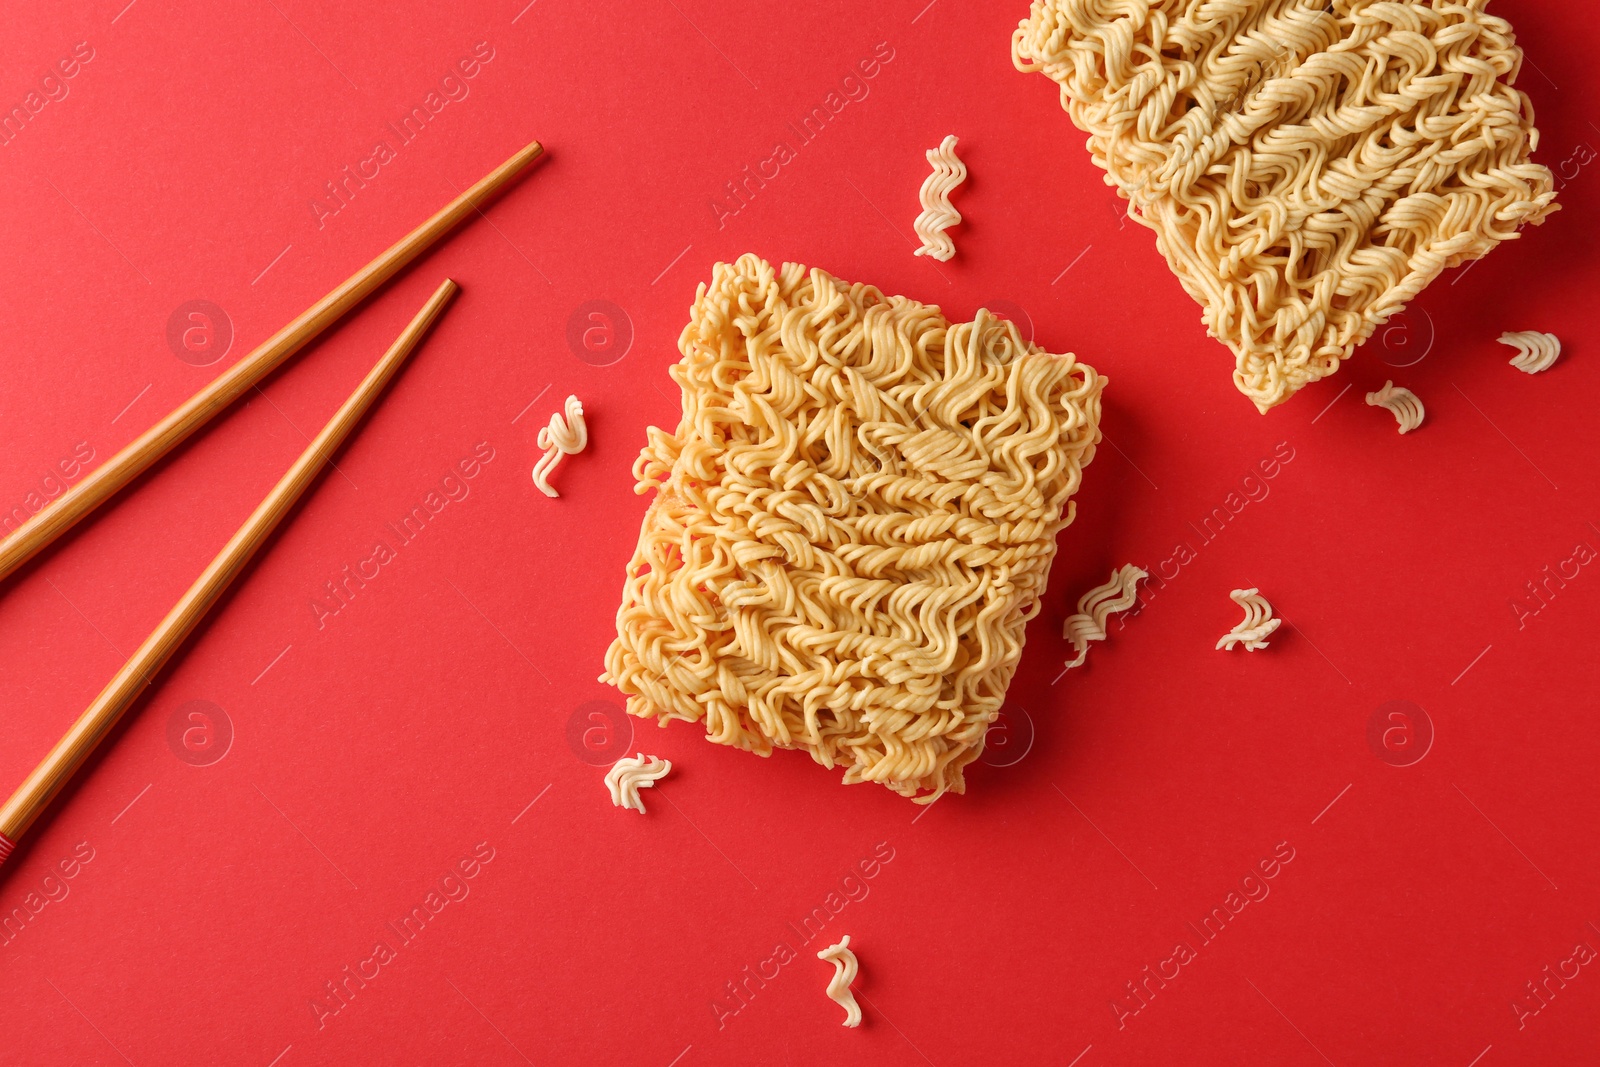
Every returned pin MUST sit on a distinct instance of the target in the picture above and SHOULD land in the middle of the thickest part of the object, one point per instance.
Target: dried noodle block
(851, 525)
(1308, 166)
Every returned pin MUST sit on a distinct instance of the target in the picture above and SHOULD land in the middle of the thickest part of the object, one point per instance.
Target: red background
(371, 755)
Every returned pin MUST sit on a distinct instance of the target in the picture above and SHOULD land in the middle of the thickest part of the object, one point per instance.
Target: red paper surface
(230, 858)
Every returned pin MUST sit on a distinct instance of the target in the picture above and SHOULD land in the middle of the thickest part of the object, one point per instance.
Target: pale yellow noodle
(630, 774)
(1308, 166)
(566, 435)
(1097, 605)
(845, 969)
(851, 525)
(1258, 622)
(1405, 405)
(938, 214)
(1536, 352)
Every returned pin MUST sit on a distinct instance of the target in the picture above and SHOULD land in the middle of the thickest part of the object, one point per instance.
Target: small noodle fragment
(630, 774)
(563, 437)
(1536, 351)
(1258, 622)
(844, 973)
(1097, 605)
(938, 214)
(1401, 402)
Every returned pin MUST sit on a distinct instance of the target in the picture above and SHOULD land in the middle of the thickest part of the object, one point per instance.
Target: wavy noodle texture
(852, 524)
(630, 774)
(845, 968)
(565, 436)
(1097, 605)
(1536, 352)
(1308, 166)
(1258, 622)
(938, 214)
(1405, 405)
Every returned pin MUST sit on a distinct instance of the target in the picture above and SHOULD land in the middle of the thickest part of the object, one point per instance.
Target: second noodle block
(851, 525)
(1308, 166)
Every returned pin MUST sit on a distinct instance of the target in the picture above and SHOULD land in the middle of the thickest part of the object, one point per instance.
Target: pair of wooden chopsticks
(30, 799)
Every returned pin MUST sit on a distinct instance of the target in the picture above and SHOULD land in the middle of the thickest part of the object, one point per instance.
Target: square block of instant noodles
(1308, 166)
(851, 525)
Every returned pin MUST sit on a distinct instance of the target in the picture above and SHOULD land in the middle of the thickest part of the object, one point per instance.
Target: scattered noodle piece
(630, 774)
(1536, 351)
(563, 437)
(844, 973)
(1097, 605)
(851, 525)
(938, 215)
(1308, 166)
(1258, 622)
(1402, 403)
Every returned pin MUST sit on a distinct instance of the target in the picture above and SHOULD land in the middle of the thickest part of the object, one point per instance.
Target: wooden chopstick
(65, 511)
(69, 753)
